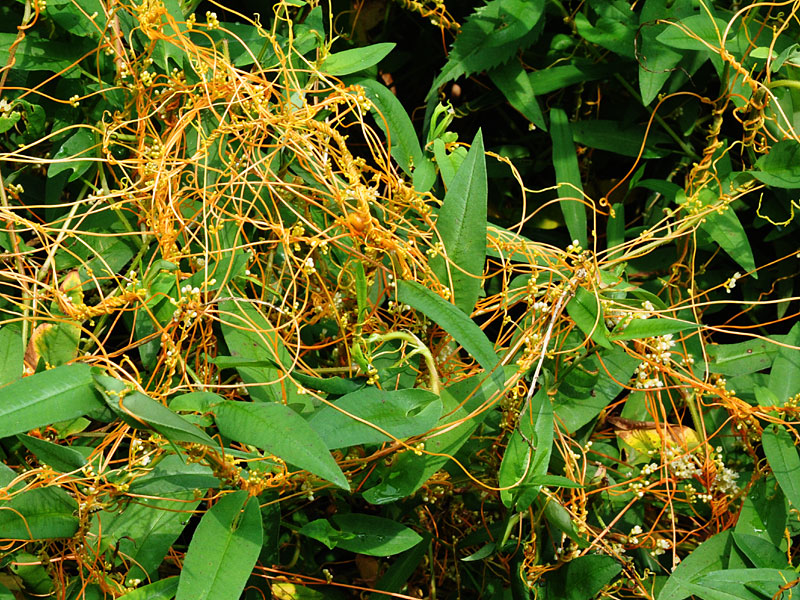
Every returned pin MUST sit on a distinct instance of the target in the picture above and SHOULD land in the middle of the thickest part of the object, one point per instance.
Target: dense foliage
(399, 299)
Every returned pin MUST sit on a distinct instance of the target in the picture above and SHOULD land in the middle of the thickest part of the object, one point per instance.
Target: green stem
(790, 83)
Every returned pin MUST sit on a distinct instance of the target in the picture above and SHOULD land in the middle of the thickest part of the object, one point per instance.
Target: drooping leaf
(568, 176)
(707, 557)
(695, 32)
(462, 221)
(455, 323)
(784, 461)
(726, 229)
(280, 431)
(143, 412)
(223, 550)
(401, 413)
(639, 329)
(620, 138)
(374, 536)
(514, 83)
(61, 458)
(784, 376)
(356, 59)
(656, 61)
(742, 358)
(59, 394)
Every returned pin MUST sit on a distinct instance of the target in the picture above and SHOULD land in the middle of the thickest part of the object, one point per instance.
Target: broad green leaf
(403, 141)
(28, 569)
(513, 82)
(742, 358)
(5, 593)
(559, 517)
(784, 377)
(195, 402)
(639, 329)
(401, 413)
(568, 176)
(619, 138)
(582, 578)
(143, 412)
(409, 471)
(280, 431)
(11, 355)
(764, 512)
(322, 531)
(739, 583)
(374, 536)
(448, 162)
(555, 78)
(781, 453)
(727, 231)
(357, 59)
(585, 310)
(491, 36)
(38, 514)
(223, 550)
(462, 221)
(74, 155)
(34, 53)
(249, 335)
(614, 29)
(521, 462)
(576, 407)
(59, 394)
(707, 557)
(696, 32)
(455, 323)
(160, 590)
(61, 458)
(760, 551)
(75, 17)
(656, 61)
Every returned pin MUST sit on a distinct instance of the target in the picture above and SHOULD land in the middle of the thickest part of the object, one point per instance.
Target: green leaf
(249, 335)
(739, 583)
(223, 550)
(357, 59)
(707, 557)
(38, 514)
(404, 145)
(61, 458)
(11, 355)
(639, 329)
(396, 576)
(696, 32)
(490, 36)
(142, 412)
(583, 577)
(59, 394)
(280, 431)
(585, 310)
(656, 61)
(614, 29)
(784, 377)
(160, 590)
(523, 463)
(556, 78)
(742, 358)
(784, 461)
(620, 138)
(401, 413)
(727, 231)
(568, 176)
(455, 323)
(34, 53)
(374, 536)
(73, 155)
(513, 82)
(760, 551)
(559, 517)
(462, 221)
(764, 512)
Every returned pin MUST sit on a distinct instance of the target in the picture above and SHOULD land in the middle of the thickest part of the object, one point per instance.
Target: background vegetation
(399, 299)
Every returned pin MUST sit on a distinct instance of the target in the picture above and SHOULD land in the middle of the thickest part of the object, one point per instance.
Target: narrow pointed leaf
(568, 176)
(280, 431)
(223, 550)
(462, 226)
(454, 322)
(784, 461)
(141, 411)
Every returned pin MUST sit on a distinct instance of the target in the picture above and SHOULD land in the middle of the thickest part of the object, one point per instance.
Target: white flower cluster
(731, 283)
(662, 546)
(682, 466)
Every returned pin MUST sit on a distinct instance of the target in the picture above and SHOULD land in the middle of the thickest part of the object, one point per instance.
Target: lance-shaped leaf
(462, 227)
(142, 412)
(568, 175)
(280, 431)
(59, 394)
(223, 550)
